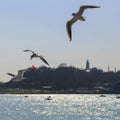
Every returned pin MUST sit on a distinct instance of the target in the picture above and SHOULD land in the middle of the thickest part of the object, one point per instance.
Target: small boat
(48, 98)
(102, 96)
(118, 97)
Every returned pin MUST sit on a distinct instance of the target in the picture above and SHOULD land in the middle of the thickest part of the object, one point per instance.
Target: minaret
(115, 70)
(87, 65)
(108, 68)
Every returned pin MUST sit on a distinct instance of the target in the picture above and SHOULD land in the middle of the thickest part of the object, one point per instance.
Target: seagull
(77, 16)
(18, 77)
(34, 55)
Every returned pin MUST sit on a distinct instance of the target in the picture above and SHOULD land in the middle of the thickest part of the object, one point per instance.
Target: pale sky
(40, 25)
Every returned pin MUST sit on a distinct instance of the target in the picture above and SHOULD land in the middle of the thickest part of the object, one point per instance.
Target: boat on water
(48, 98)
(102, 96)
(118, 97)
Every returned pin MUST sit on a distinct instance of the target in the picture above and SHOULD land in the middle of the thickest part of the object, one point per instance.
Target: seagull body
(17, 77)
(34, 55)
(77, 16)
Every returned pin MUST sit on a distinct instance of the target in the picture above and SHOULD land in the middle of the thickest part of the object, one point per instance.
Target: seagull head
(73, 14)
(32, 56)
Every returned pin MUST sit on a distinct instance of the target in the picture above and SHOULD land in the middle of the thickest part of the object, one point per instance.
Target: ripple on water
(61, 107)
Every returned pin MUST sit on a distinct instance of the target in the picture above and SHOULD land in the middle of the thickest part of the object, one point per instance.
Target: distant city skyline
(41, 27)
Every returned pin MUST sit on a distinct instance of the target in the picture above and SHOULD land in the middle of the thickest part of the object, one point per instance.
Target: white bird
(77, 16)
(36, 55)
(18, 77)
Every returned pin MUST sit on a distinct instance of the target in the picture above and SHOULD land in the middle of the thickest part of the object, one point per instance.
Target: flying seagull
(34, 55)
(77, 16)
(18, 77)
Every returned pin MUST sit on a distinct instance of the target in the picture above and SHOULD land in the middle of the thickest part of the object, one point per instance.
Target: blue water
(61, 107)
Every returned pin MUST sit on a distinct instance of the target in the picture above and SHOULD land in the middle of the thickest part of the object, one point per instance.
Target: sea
(59, 107)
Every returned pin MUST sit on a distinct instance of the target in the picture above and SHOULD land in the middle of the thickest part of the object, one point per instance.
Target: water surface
(61, 107)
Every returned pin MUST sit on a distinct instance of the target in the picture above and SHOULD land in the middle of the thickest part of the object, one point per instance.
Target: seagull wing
(10, 74)
(29, 51)
(20, 74)
(82, 8)
(69, 25)
(43, 60)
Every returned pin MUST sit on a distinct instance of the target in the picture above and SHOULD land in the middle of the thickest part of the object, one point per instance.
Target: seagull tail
(83, 19)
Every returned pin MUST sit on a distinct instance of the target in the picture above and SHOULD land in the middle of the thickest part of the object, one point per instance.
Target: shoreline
(67, 91)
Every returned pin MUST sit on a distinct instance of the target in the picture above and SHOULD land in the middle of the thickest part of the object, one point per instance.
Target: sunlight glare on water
(60, 107)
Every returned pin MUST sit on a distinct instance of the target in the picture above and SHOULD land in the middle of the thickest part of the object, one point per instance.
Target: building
(87, 65)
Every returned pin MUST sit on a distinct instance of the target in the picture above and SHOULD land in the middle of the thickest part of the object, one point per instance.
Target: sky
(40, 25)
